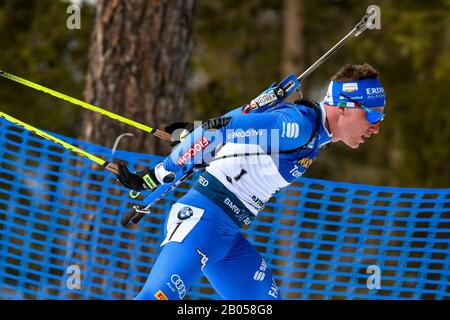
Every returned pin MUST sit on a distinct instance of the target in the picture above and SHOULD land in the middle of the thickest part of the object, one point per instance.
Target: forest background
(235, 50)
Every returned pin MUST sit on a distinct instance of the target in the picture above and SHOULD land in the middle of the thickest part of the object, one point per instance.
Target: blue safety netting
(320, 238)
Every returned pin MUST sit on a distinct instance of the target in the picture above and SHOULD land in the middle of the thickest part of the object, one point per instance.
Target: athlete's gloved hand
(216, 123)
(149, 178)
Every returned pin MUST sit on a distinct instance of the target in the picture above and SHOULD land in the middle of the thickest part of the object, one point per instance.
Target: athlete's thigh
(179, 262)
(243, 274)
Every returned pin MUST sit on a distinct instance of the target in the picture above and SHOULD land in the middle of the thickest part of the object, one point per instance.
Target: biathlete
(260, 153)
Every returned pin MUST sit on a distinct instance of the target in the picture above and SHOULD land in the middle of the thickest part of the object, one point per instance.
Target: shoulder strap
(315, 106)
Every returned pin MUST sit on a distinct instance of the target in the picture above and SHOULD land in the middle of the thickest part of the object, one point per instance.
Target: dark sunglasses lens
(374, 116)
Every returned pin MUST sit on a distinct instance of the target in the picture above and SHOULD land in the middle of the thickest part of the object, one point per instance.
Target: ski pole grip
(137, 217)
(127, 218)
(134, 215)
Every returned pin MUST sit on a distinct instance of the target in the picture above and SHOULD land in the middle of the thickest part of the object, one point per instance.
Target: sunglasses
(372, 116)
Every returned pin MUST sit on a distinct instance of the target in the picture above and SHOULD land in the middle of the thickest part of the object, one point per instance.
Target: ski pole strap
(108, 165)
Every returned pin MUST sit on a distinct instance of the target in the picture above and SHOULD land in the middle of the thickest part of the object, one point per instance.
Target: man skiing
(253, 163)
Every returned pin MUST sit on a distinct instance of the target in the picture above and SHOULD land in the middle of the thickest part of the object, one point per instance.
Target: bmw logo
(185, 213)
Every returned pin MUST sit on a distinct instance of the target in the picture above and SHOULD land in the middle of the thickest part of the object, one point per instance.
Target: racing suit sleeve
(288, 127)
(285, 129)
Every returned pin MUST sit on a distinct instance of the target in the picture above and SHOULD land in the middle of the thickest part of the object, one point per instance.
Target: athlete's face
(354, 128)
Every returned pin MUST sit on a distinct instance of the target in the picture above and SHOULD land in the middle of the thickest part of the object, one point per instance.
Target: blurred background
(159, 62)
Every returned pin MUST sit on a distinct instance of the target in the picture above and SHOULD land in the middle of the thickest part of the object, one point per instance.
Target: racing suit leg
(197, 233)
(242, 274)
(171, 275)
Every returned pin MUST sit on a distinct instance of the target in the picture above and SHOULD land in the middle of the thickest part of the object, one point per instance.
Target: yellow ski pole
(156, 132)
(108, 165)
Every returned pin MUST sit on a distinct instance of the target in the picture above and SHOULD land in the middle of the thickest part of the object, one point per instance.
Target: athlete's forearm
(197, 138)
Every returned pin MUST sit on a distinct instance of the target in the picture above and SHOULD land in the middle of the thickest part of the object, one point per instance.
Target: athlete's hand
(137, 181)
(149, 178)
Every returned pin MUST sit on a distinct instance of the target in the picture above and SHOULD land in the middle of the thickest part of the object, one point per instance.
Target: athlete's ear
(341, 111)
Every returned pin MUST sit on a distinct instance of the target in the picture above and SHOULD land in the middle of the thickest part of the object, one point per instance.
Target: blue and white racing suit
(203, 227)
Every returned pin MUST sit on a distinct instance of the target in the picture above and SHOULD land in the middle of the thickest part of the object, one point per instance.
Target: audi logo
(179, 284)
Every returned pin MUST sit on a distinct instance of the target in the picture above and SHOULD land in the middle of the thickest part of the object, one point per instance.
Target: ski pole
(360, 27)
(112, 167)
(156, 132)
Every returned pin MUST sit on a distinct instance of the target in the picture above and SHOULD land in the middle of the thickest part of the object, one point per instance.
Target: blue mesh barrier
(58, 210)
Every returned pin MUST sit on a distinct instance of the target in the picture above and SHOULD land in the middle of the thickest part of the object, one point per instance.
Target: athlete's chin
(353, 145)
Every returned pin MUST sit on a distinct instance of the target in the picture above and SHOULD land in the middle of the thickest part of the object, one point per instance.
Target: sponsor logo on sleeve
(292, 129)
(245, 134)
(195, 149)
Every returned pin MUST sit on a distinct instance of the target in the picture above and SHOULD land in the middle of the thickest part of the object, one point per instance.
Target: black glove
(216, 123)
(137, 181)
(145, 179)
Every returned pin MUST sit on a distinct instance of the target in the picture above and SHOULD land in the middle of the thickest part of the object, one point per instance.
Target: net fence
(60, 217)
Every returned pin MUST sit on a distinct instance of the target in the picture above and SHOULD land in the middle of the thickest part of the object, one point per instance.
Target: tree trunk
(292, 62)
(293, 54)
(138, 67)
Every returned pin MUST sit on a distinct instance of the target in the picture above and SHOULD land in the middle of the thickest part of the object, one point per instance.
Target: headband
(368, 92)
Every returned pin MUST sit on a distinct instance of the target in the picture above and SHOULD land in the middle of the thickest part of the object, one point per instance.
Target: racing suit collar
(324, 134)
